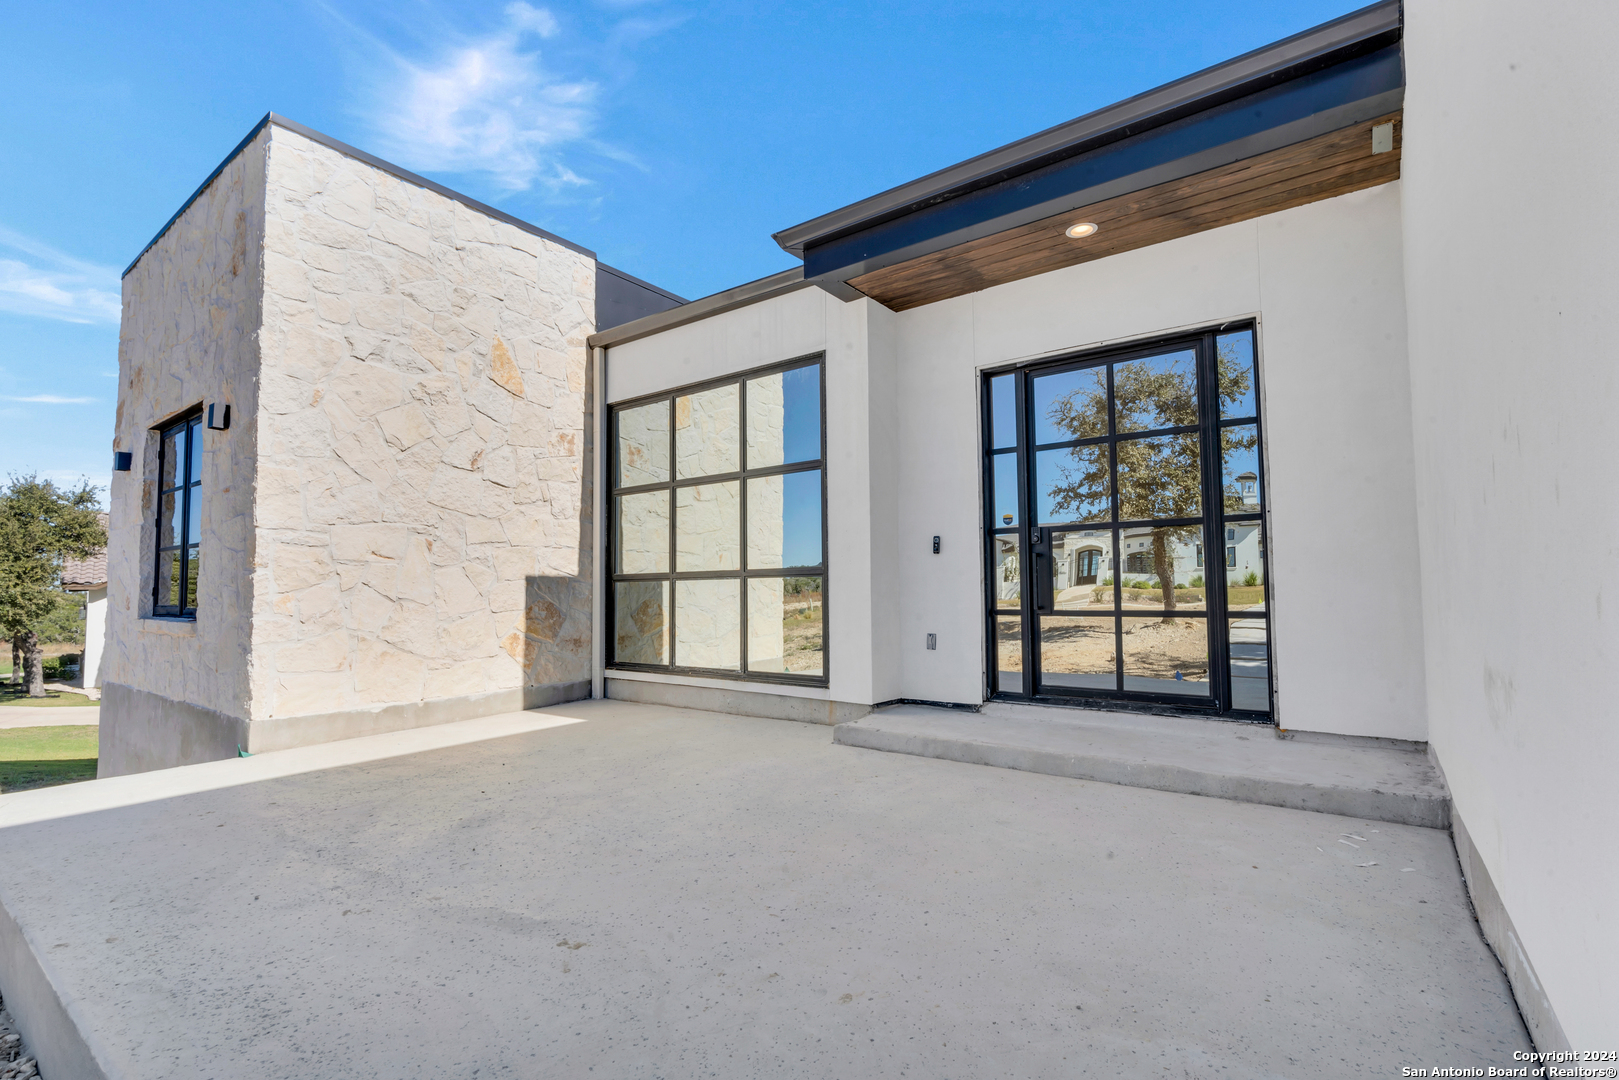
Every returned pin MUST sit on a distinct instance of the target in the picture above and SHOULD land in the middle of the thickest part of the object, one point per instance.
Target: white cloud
(36, 279)
(489, 105)
(52, 399)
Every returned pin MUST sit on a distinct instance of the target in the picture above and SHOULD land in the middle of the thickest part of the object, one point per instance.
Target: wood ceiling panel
(1320, 168)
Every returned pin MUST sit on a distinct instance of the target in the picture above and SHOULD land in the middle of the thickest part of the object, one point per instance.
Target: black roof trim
(743, 295)
(1369, 28)
(375, 162)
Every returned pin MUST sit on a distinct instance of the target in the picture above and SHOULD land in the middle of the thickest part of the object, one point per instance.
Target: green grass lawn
(34, 757)
(15, 695)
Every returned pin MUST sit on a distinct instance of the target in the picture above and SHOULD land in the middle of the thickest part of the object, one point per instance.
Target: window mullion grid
(1115, 504)
(741, 476)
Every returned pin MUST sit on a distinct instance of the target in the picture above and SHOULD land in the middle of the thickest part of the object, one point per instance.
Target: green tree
(1159, 476)
(40, 525)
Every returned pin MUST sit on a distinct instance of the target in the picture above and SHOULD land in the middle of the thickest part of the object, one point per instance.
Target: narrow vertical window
(718, 537)
(179, 519)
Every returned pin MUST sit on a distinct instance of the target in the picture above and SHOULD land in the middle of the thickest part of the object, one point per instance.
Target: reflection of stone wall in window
(643, 445)
(766, 640)
(767, 422)
(706, 432)
(643, 533)
(640, 629)
(708, 527)
(708, 623)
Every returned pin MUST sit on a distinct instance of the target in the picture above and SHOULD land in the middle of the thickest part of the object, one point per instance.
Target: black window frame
(744, 573)
(1217, 518)
(189, 425)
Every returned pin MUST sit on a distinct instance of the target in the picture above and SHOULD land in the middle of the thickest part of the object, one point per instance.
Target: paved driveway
(13, 716)
(658, 893)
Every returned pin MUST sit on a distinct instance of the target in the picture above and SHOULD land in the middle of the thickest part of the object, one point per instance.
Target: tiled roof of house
(91, 573)
(88, 573)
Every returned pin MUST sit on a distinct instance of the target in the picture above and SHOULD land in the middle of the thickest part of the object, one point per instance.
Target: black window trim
(741, 475)
(186, 610)
(1216, 521)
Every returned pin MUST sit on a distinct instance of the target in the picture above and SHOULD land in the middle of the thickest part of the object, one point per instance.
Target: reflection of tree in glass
(1158, 477)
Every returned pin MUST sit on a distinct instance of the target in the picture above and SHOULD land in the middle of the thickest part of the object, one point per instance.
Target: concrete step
(1377, 780)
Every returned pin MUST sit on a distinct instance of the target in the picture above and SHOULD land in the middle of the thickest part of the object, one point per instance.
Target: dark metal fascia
(1369, 28)
(752, 293)
(376, 163)
(1326, 101)
(602, 267)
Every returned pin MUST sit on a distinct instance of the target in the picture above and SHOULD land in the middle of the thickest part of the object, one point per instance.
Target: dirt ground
(801, 632)
(1153, 648)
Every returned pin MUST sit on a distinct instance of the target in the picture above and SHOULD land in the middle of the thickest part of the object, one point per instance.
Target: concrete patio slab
(1245, 762)
(624, 890)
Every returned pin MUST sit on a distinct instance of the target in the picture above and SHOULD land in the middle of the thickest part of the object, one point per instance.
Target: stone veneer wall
(423, 481)
(189, 335)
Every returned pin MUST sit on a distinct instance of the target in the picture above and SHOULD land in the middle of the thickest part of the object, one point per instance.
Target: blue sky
(671, 137)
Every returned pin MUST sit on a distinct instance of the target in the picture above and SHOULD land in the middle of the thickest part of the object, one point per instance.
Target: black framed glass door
(1125, 529)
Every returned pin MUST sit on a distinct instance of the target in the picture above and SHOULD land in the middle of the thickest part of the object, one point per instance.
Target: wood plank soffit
(1329, 165)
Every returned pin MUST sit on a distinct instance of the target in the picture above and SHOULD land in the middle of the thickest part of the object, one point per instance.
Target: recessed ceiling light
(1082, 230)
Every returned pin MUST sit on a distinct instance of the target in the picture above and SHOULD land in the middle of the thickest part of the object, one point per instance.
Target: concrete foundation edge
(142, 731)
(54, 1037)
(1502, 938)
(739, 702)
(1402, 809)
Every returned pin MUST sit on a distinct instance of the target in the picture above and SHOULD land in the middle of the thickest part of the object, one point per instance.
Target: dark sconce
(935, 545)
(122, 460)
(218, 417)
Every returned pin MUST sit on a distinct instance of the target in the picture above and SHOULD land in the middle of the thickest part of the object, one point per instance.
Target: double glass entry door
(1124, 503)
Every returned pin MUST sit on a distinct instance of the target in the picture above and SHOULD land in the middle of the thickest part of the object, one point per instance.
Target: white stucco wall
(1326, 283)
(861, 603)
(903, 447)
(95, 636)
(421, 517)
(1512, 255)
(189, 335)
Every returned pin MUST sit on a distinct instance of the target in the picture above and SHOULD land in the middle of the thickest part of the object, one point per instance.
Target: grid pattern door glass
(179, 519)
(1107, 476)
(719, 529)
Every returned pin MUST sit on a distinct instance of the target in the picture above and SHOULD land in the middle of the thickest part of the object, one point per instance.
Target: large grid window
(718, 539)
(179, 518)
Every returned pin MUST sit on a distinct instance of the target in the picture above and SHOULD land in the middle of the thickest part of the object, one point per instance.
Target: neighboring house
(89, 576)
(397, 458)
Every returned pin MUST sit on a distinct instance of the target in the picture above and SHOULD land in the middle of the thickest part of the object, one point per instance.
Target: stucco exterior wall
(1325, 282)
(421, 522)
(190, 335)
(1514, 327)
(861, 600)
(903, 456)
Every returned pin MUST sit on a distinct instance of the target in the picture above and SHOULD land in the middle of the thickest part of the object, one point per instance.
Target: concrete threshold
(1245, 763)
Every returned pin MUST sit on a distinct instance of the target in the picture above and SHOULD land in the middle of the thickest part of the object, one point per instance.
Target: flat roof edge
(376, 163)
(1174, 98)
(790, 280)
(602, 267)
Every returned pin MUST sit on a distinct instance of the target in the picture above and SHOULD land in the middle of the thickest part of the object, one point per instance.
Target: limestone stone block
(440, 397)
(415, 581)
(405, 426)
(368, 610)
(472, 636)
(366, 388)
(500, 467)
(412, 627)
(454, 592)
(373, 542)
(503, 369)
(329, 652)
(297, 568)
(385, 674)
(481, 576)
(465, 451)
(484, 531)
(303, 693)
